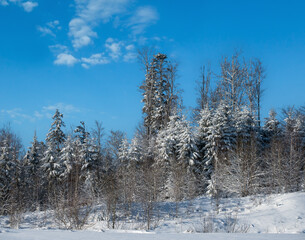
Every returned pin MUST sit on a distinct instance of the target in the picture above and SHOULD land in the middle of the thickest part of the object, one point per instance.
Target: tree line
(223, 149)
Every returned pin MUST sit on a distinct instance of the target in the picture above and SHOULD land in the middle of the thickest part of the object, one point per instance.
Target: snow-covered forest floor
(279, 213)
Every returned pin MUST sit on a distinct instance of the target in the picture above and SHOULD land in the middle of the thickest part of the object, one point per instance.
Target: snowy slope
(282, 213)
(80, 235)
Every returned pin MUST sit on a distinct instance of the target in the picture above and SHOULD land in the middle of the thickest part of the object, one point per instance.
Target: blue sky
(80, 55)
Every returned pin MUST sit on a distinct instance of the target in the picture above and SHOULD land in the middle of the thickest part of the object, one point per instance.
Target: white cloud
(45, 31)
(95, 59)
(84, 65)
(29, 6)
(54, 24)
(3, 3)
(130, 47)
(38, 115)
(49, 28)
(114, 48)
(65, 59)
(58, 48)
(95, 10)
(88, 14)
(130, 57)
(16, 113)
(81, 33)
(142, 18)
(66, 108)
(48, 111)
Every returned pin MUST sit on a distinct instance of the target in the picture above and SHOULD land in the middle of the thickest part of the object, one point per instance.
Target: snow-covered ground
(80, 235)
(282, 213)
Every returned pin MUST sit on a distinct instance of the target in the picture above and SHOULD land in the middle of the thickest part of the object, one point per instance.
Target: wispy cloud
(95, 59)
(113, 47)
(58, 48)
(49, 28)
(66, 108)
(142, 18)
(48, 111)
(81, 33)
(65, 59)
(28, 6)
(88, 15)
(130, 57)
(17, 114)
(3, 3)
(130, 47)
(45, 31)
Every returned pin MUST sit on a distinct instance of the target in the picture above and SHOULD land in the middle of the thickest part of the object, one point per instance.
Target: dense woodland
(222, 148)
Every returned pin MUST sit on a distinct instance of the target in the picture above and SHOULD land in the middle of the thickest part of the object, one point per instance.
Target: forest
(221, 149)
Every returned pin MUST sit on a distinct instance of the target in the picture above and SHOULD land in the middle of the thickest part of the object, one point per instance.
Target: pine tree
(124, 153)
(10, 179)
(55, 135)
(51, 161)
(293, 164)
(241, 174)
(7, 168)
(274, 154)
(88, 153)
(159, 94)
(271, 128)
(204, 162)
(124, 174)
(176, 155)
(218, 135)
(294, 141)
(32, 164)
(67, 157)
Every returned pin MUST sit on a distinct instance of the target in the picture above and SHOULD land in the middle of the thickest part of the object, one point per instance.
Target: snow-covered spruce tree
(88, 155)
(113, 144)
(51, 161)
(176, 156)
(204, 161)
(159, 94)
(74, 197)
(11, 182)
(220, 143)
(294, 123)
(274, 154)
(300, 143)
(271, 128)
(242, 173)
(123, 173)
(7, 168)
(97, 134)
(83, 142)
(68, 158)
(135, 161)
(188, 153)
(33, 175)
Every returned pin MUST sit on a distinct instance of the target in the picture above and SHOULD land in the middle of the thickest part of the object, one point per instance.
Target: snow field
(80, 235)
(254, 217)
